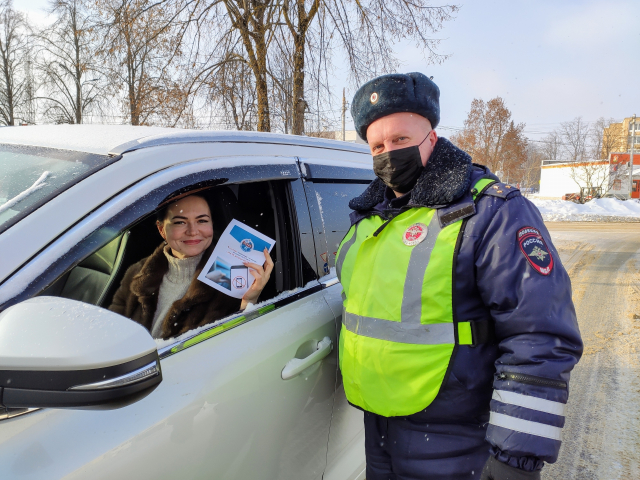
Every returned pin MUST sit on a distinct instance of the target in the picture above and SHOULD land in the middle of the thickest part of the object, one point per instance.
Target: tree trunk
(78, 70)
(134, 109)
(264, 118)
(9, 93)
(299, 103)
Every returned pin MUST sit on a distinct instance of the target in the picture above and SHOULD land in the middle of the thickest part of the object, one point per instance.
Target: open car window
(92, 269)
(97, 277)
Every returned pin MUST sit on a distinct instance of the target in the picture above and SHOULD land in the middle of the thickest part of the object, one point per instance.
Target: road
(601, 438)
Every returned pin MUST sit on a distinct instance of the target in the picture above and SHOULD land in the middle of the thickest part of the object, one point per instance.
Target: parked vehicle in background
(256, 395)
(572, 197)
(584, 196)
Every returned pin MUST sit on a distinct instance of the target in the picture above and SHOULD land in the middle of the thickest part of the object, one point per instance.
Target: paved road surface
(601, 438)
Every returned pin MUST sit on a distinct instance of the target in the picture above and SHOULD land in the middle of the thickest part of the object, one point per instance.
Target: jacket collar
(147, 282)
(446, 177)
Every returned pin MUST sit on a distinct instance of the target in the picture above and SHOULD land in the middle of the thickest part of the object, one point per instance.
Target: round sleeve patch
(535, 250)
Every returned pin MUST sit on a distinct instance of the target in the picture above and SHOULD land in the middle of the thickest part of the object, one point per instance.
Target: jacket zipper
(531, 380)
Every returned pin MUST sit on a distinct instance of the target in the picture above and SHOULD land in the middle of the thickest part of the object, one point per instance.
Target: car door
(329, 189)
(223, 409)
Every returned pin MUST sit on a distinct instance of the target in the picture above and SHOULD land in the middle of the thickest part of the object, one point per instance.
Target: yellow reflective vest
(398, 333)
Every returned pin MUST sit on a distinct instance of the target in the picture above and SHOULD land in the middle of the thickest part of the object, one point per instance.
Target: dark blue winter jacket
(508, 273)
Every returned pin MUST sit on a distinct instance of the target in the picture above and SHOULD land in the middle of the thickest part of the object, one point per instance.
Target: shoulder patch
(500, 190)
(535, 250)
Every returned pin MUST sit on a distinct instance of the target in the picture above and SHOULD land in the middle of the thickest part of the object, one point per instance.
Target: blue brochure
(226, 270)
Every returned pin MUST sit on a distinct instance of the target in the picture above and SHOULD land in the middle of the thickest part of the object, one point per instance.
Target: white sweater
(175, 284)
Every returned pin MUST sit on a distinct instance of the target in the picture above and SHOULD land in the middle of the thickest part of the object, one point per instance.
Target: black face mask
(399, 169)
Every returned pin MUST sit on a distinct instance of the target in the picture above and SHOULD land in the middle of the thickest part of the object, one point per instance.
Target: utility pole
(344, 112)
(633, 146)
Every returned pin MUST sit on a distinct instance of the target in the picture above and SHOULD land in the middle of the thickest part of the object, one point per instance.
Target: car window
(92, 270)
(329, 189)
(333, 201)
(31, 176)
(98, 276)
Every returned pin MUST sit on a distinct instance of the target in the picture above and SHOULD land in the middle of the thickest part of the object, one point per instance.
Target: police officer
(458, 330)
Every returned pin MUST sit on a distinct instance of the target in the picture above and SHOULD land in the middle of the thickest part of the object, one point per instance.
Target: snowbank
(598, 210)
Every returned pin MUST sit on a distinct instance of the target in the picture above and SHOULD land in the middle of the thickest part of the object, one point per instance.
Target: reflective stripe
(418, 262)
(343, 251)
(525, 426)
(527, 401)
(433, 334)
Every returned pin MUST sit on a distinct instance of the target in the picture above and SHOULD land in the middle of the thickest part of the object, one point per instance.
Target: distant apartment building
(617, 137)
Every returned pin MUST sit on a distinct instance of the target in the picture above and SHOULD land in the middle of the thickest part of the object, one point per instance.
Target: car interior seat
(91, 279)
(143, 240)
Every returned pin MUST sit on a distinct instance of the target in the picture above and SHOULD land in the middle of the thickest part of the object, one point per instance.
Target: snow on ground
(598, 210)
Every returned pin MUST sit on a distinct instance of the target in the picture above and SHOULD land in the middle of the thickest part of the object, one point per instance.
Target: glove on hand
(496, 470)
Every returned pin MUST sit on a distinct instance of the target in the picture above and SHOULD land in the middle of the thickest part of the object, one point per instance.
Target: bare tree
(141, 48)
(365, 31)
(492, 138)
(71, 77)
(552, 146)
(574, 135)
(255, 23)
(308, 30)
(529, 171)
(298, 19)
(592, 177)
(233, 90)
(14, 51)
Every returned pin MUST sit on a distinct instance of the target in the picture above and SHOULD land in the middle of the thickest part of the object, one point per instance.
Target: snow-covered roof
(118, 139)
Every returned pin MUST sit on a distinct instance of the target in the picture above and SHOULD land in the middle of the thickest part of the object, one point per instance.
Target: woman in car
(162, 292)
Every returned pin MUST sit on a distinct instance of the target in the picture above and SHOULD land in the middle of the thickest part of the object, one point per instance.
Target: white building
(561, 178)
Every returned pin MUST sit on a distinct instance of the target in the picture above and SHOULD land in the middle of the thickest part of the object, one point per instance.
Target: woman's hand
(261, 275)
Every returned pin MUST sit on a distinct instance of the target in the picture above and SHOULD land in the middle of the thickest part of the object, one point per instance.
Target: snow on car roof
(83, 138)
(118, 139)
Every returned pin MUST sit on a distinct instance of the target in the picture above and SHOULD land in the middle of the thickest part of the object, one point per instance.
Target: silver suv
(86, 393)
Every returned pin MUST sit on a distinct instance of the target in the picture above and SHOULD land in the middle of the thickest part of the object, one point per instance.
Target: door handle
(295, 366)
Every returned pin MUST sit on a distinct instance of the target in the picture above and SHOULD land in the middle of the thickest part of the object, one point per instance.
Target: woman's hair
(161, 213)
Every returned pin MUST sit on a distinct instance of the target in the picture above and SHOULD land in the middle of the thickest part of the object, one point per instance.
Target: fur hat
(393, 93)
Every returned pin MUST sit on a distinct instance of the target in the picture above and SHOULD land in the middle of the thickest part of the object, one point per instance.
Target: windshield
(31, 176)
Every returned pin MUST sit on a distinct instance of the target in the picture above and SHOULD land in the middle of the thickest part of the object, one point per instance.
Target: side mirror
(56, 352)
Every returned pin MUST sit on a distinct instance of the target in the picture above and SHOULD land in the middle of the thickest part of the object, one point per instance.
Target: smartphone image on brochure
(239, 278)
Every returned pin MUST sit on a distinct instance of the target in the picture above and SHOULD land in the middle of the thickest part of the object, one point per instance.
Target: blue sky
(550, 60)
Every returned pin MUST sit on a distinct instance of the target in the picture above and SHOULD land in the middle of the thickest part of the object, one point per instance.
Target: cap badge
(374, 98)
(415, 234)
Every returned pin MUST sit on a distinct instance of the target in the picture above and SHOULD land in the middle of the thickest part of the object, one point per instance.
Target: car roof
(119, 139)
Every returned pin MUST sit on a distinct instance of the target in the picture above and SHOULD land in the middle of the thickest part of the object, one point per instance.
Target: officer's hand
(496, 470)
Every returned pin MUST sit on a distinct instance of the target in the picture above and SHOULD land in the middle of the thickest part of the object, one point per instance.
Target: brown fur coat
(137, 297)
